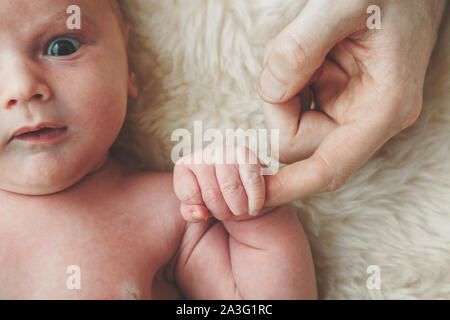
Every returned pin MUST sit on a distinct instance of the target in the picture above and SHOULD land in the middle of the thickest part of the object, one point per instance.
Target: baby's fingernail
(271, 88)
(197, 215)
(250, 208)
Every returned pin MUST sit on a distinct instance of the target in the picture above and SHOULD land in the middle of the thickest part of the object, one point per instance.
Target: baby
(130, 234)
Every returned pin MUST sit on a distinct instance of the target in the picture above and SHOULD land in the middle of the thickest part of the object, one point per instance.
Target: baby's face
(76, 80)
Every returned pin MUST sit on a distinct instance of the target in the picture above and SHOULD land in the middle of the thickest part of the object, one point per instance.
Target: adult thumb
(300, 49)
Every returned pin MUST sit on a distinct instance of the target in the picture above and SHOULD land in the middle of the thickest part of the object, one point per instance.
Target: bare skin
(70, 203)
(131, 244)
(104, 224)
(338, 91)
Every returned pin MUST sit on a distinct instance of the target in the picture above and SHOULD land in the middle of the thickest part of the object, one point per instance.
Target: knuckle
(324, 174)
(241, 154)
(210, 195)
(253, 179)
(230, 187)
(292, 53)
(246, 156)
(190, 196)
(402, 113)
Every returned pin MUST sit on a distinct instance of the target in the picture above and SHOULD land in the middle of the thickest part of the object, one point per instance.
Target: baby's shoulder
(150, 190)
(153, 201)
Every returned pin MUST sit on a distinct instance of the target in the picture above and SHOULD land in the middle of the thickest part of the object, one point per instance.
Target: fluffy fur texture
(199, 60)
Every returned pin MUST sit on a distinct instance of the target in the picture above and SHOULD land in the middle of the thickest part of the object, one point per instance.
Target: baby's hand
(226, 189)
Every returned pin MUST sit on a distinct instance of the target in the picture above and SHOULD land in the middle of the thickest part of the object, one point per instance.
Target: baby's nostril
(38, 96)
(11, 102)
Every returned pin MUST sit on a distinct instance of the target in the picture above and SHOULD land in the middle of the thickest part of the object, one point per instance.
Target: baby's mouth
(42, 131)
(42, 135)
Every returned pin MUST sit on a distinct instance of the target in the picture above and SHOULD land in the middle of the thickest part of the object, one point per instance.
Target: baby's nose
(23, 85)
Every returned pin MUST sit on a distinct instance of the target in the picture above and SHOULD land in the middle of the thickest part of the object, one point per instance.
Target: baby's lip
(51, 125)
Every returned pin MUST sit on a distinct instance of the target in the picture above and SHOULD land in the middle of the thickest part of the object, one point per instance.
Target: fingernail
(251, 209)
(271, 88)
(197, 215)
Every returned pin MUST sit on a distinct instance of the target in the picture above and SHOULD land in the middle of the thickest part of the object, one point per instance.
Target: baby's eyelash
(75, 37)
(80, 38)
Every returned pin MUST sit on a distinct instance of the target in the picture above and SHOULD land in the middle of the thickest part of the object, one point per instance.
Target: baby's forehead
(25, 19)
(38, 10)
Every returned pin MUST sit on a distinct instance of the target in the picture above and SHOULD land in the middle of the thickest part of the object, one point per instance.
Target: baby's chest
(77, 265)
(55, 273)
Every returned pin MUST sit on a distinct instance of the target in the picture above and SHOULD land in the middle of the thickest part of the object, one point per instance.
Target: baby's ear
(132, 86)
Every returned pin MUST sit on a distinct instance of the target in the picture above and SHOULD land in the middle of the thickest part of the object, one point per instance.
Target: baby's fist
(222, 181)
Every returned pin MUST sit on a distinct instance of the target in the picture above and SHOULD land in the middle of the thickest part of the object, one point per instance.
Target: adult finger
(299, 134)
(300, 49)
(340, 154)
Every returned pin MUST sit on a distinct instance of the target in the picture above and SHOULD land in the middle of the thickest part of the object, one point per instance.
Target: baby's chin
(36, 189)
(33, 185)
(46, 176)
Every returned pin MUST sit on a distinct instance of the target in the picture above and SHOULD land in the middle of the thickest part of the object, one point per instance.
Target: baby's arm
(267, 257)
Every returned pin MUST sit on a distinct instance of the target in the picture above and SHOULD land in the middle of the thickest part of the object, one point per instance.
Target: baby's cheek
(103, 103)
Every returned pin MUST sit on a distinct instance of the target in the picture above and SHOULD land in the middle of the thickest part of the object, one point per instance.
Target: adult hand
(365, 85)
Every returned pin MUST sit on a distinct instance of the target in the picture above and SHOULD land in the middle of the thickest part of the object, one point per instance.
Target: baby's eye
(63, 46)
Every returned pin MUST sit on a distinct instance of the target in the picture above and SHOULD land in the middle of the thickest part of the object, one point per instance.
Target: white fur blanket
(199, 60)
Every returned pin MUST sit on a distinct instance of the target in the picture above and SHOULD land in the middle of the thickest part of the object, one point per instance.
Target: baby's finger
(189, 193)
(185, 185)
(232, 189)
(211, 192)
(194, 213)
(254, 184)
